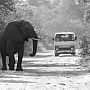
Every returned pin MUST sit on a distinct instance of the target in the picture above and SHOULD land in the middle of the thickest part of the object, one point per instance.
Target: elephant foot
(19, 69)
(4, 68)
(11, 67)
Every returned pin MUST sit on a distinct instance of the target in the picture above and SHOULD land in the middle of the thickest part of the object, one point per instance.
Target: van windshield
(64, 37)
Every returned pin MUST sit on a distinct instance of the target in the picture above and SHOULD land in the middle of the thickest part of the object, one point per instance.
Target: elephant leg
(11, 61)
(3, 55)
(10, 52)
(20, 56)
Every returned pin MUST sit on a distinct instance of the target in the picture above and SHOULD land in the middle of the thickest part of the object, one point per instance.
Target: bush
(84, 46)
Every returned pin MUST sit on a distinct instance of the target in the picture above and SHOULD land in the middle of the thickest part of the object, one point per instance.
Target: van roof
(64, 33)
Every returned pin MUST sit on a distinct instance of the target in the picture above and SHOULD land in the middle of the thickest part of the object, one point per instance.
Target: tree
(6, 6)
(37, 3)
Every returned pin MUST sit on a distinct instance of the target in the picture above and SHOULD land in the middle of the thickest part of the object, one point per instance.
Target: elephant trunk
(35, 42)
(33, 35)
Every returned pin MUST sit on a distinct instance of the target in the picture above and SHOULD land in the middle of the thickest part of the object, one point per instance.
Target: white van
(64, 43)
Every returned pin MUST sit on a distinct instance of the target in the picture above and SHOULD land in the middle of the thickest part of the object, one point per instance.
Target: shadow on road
(40, 56)
(37, 67)
(21, 76)
(67, 55)
(56, 73)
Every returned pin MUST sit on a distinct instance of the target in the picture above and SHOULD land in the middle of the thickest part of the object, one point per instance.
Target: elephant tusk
(35, 39)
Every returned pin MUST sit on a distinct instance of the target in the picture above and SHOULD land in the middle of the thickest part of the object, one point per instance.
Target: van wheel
(56, 54)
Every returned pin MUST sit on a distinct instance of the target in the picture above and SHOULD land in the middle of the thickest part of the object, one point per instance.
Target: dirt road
(47, 72)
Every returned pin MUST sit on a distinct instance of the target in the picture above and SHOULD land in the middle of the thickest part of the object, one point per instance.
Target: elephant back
(12, 32)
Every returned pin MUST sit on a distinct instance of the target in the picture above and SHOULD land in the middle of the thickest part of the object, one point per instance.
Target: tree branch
(5, 5)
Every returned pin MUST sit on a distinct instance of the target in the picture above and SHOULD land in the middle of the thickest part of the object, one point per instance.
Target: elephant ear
(23, 25)
(28, 30)
(12, 33)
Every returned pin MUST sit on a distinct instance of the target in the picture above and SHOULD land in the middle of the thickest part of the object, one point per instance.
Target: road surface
(47, 72)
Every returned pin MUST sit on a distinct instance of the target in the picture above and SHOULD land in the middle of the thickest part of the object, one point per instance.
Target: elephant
(12, 41)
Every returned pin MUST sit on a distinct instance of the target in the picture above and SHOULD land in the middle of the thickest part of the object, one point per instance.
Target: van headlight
(72, 48)
(56, 48)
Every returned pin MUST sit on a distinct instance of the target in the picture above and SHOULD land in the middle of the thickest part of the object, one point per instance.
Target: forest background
(48, 17)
